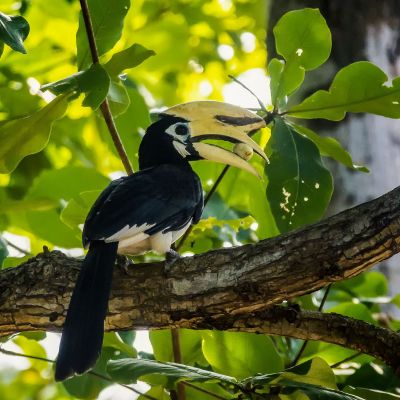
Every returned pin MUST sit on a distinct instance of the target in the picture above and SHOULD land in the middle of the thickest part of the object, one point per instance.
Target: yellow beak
(217, 120)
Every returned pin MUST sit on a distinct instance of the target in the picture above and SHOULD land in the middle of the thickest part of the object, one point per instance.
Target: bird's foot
(171, 257)
(124, 263)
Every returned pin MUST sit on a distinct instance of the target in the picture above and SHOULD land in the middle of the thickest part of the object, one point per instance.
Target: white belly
(141, 242)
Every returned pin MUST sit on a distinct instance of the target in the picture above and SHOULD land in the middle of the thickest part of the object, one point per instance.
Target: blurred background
(198, 44)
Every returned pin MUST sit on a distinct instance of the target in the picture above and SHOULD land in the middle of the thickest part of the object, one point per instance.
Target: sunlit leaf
(13, 31)
(61, 186)
(190, 346)
(107, 20)
(76, 210)
(29, 135)
(299, 186)
(304, 40)
(128, 58)
(374, 93)
(93, 82)
(315, 372)
(241, 354)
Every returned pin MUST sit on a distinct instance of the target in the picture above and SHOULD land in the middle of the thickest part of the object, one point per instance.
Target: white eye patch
(179, 131)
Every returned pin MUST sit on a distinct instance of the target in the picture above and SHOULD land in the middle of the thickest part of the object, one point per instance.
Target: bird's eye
(178, 130)
(181, 129)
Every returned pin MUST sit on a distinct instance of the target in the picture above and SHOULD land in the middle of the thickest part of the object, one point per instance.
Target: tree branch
(105, 106)
(227, 288)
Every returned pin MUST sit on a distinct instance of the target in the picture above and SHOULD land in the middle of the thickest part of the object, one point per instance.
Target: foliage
(56, 155)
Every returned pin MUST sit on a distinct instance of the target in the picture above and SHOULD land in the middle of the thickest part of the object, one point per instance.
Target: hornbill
(148, 210)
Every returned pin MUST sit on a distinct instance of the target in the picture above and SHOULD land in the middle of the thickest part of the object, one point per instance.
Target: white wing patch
(128, 232)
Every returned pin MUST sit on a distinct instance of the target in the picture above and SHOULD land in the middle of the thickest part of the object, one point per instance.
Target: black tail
(82, 336)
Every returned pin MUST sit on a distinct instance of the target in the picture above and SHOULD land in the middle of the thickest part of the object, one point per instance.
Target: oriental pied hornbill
(148, 210)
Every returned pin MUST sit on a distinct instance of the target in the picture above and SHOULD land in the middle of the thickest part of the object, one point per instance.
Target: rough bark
(224, 288)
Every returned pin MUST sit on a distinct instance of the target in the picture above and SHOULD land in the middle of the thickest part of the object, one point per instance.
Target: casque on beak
(218, 120)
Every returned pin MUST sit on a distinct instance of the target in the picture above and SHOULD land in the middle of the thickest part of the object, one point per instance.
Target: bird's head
(179, 134)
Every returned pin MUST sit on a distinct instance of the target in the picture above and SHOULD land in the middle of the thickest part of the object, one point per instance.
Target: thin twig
(206, 200)
(304, 345)
(216, 396)
(105, 106)
(93, 373)
(15, 247)
(349, 358)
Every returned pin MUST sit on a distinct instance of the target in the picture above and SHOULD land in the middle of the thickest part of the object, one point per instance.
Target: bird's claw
(124, 262)
(171, 257)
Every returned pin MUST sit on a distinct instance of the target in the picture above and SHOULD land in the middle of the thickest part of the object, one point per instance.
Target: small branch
(105, 106)
(347, 359)
(105, 109)
(211, 394)
(304, 345)
(93, 373)
(15, 247)
(176, 351)
(206, 200)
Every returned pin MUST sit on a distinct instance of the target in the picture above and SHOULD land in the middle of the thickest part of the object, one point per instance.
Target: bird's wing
(164, 198)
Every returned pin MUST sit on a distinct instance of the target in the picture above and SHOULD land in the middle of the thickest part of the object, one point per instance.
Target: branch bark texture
(231, 289)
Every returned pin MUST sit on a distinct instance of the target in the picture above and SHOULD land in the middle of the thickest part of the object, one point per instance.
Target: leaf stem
(105, 106)
(93, 373)
(304, 345)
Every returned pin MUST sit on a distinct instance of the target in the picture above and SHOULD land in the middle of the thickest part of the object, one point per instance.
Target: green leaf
(370, 394)
(114, 341)
(190, 346)
(240, 354)
(303, 38)
(128, 58)
(128, 370)
(353, 310)
(23, 136)
(3, 251)
(315, 372)
(368, 284)
(13, 31)
(359, 87)
(315, 392)
(330, 147)
(107, 20)
(305, 30)
(118, 98)
(299, 187)
(61, 185)
(76, 210)
(94, 82)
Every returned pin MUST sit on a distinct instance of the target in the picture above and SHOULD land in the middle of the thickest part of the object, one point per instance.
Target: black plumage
(164, 196)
